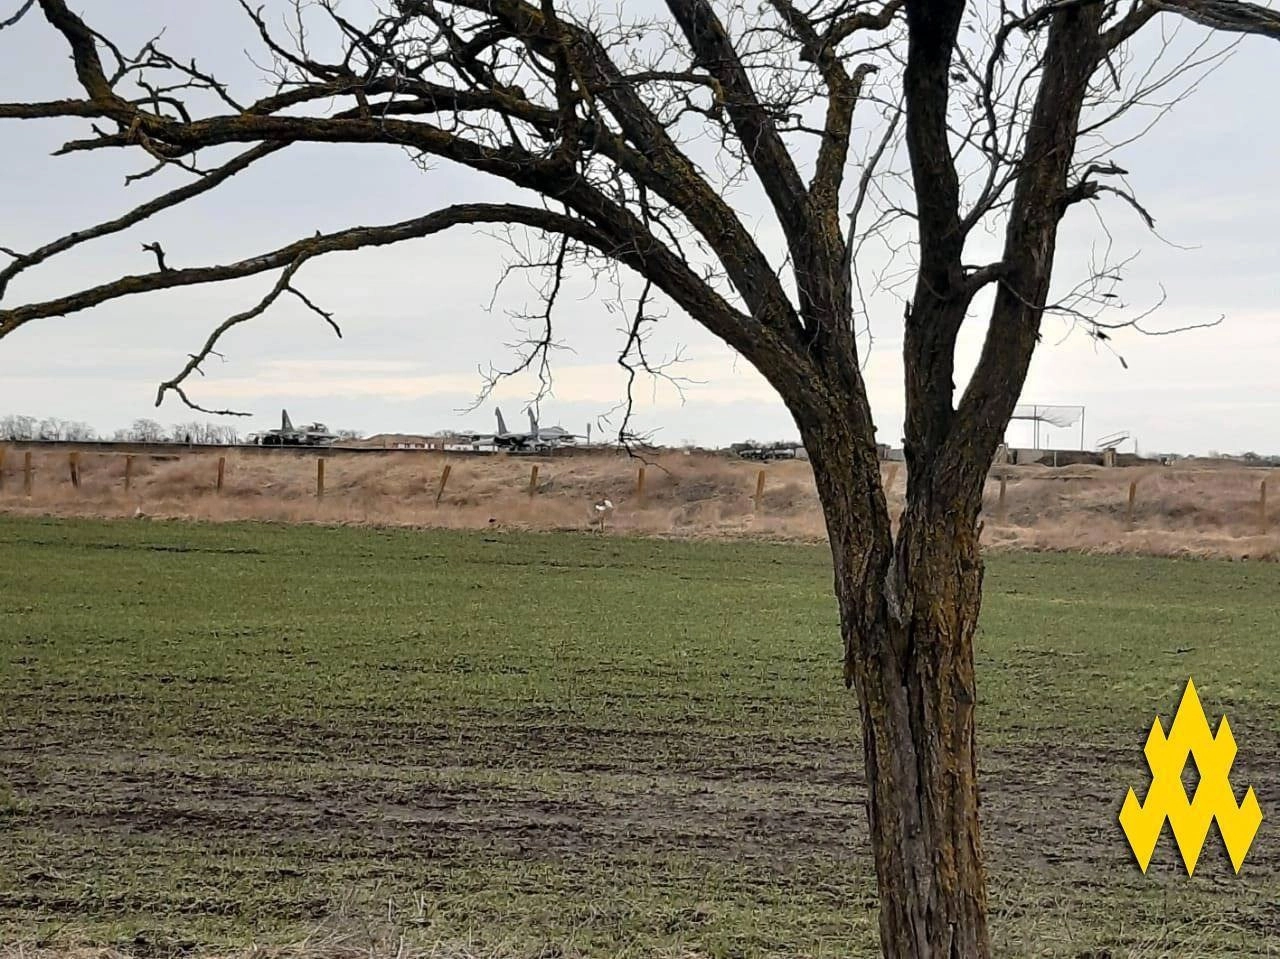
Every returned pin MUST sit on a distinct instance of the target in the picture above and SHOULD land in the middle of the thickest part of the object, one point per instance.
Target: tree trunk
(908, 611)
(915, 682)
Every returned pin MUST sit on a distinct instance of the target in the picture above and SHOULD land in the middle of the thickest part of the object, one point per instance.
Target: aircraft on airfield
(538, 439)
(314, 434)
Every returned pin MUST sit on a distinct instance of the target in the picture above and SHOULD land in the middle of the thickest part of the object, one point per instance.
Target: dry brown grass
(347, 939)
(1187, 510)
(342, 936)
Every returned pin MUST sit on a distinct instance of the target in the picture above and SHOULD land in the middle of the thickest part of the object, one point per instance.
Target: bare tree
(224, 434)
(892, 155)
(50, 428)
(146, 431)
(192, 432)
(203, 433)
(76, 431)
(16, 427)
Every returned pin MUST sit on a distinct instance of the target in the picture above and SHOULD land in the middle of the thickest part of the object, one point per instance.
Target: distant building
(461, 444)
(399, 441)
(442, 443)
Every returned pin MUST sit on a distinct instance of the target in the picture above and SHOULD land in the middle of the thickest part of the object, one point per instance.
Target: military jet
(313, 434)
(539, 439)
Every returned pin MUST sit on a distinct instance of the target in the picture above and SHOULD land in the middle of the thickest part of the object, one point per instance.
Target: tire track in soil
(1043, 807)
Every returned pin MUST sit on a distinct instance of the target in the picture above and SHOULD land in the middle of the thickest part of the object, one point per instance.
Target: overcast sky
(416, 317)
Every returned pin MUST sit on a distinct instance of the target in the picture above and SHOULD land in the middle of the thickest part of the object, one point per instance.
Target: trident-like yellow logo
(1190, 737)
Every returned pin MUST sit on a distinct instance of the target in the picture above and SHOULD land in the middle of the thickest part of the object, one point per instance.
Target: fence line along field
(1194, 509)
(512, 745)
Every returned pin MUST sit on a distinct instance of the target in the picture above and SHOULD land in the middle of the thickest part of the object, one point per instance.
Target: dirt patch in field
(285, 808)
(1043, 808)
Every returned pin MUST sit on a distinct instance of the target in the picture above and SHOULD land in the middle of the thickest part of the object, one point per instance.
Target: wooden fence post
(128, 472)
(533, 481)
(320, 478)
(1133, 495)
(1001, 512)
(73, 461)
(759, 490)
(222, 471)
(1262, 507)
(891, 478)
(444, 481)
(640, 486)
(26, 473)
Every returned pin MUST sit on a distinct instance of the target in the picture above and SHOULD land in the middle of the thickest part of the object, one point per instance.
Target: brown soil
(780, 800)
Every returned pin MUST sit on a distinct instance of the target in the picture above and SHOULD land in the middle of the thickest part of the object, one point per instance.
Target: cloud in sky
(713, 381)
(416, 321)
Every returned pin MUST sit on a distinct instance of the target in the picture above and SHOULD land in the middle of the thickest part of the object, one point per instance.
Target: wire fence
(671, 491)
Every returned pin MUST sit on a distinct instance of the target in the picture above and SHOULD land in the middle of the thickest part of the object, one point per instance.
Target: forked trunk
(908, 610)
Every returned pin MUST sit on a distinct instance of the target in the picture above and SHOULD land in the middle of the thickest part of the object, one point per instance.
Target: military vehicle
(772, 451)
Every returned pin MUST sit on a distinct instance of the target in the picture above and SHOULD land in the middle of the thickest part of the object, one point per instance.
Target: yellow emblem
(1190, 738)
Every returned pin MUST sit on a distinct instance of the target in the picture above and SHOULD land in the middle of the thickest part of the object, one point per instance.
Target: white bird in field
(602, 509)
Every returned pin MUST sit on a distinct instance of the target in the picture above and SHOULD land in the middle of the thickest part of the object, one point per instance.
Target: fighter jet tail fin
(502, 425)
(285, 422)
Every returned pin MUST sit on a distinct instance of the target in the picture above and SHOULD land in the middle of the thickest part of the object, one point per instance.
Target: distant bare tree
(202, 434)
(146, 431)
(50, 428)
(928, 147)
(225, 434)
(16, 427)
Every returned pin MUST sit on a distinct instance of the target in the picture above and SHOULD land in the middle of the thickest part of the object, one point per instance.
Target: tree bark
(916, 690)
(909, 603)
(908, 611)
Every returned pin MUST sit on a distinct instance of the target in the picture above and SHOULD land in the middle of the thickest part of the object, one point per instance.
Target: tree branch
(657, 163)
(84, 49)
(193, 364)
(299, 252)
(22, 12)
(138, 214)
(1232, 16)
(713, 50)
(1073, 50)
(940, 298)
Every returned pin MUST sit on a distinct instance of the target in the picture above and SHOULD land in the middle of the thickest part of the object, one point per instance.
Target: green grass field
(569, 745)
